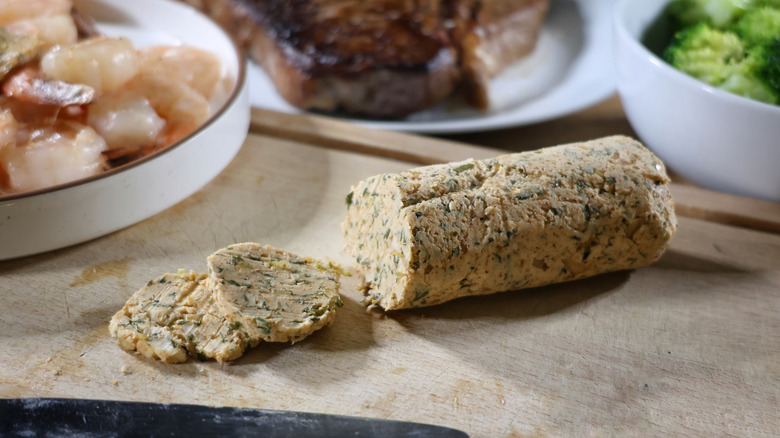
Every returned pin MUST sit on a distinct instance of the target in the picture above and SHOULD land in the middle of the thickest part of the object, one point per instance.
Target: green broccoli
(758, 26)
(706, 53)
(762, 3)
(721, 59)
(717, 13)
(766, 60)
(749, 83)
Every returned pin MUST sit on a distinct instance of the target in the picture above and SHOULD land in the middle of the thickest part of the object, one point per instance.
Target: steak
(380, 58)
(495, 34)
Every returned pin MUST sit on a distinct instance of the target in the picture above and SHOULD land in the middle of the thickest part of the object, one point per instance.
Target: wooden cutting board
(689, 346)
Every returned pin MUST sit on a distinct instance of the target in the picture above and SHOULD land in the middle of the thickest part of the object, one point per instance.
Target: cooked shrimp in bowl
(72, 107)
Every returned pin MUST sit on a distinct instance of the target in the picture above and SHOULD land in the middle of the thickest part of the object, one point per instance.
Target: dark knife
(56, 417)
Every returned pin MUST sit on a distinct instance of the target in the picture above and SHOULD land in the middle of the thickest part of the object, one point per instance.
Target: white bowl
(713, 138)
(64, 215)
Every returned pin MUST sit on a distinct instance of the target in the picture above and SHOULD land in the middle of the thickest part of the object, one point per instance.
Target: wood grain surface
(687, 347)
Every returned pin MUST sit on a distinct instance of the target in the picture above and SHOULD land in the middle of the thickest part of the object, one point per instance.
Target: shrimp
(125, 120)
(29, 85)
(200, 70)
(103, 63)
(16, 50)
(15, 10)
(8, 129)
(148, 111)
(182, 108)
(48, 30)
(30, 113)
(183, 84)
(48, 155)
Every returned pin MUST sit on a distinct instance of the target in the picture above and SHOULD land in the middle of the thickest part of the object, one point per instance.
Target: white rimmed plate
(570, 69)
(72, 213)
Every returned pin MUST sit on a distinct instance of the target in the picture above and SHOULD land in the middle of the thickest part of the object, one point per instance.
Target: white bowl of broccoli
(700, 84)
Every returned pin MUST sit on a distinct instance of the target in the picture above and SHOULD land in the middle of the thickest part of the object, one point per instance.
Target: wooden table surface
(605, 118)
(687, 347)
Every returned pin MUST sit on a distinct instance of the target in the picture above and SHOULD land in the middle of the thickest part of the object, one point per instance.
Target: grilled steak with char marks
(380, 58)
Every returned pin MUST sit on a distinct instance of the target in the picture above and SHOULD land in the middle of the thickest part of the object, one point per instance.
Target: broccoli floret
(758, 26)
(730, 44)
(717, 13)
(766, 58)
(721, 59)
(706, 53)
(749, 84)
(762, 3)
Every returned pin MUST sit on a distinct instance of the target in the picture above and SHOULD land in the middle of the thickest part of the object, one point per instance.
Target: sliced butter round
(273, 296)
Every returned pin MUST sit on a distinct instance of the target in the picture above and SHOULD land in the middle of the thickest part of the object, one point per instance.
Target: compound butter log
(436, 233)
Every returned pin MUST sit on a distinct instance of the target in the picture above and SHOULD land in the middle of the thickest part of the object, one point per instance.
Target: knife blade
(55, 417)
